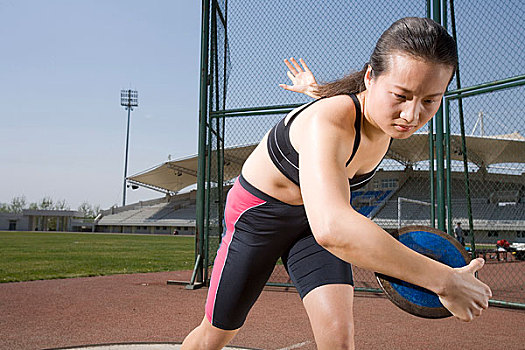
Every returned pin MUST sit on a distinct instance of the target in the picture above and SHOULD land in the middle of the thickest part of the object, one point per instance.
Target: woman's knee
(340, 334)
(330, 309)
(206, 336)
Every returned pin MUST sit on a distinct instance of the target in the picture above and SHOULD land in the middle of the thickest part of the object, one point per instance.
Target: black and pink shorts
(259, 230)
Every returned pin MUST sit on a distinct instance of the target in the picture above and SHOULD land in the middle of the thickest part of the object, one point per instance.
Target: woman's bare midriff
(260, 172)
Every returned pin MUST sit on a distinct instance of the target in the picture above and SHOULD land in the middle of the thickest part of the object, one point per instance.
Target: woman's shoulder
(338, 109)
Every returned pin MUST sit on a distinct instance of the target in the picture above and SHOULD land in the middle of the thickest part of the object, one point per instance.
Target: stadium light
(128, 100)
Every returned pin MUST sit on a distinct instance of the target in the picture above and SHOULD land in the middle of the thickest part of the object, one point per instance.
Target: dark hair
(413, 36)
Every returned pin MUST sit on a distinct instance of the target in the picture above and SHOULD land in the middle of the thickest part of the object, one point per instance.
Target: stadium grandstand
(394, 198)
(167, 215)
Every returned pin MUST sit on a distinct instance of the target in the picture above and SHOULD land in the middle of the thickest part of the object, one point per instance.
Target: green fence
(423, 179)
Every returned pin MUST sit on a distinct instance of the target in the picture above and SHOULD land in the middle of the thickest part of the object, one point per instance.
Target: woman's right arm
(358, 240)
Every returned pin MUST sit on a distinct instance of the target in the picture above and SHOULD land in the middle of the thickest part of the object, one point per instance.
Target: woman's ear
(368, 77)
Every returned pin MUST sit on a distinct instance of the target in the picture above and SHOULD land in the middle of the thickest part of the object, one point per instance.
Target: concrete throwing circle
(137, 346)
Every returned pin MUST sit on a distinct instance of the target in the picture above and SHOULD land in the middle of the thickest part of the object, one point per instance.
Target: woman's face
(406, 96)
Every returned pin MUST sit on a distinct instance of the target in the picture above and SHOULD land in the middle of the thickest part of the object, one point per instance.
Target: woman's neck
(369, 127)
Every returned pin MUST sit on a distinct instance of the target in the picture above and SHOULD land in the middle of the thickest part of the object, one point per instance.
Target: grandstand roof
(482, 150)
(172, 176)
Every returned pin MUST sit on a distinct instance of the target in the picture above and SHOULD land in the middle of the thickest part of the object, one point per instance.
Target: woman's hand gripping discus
(302, 78)
(465, 296)
(457, 291)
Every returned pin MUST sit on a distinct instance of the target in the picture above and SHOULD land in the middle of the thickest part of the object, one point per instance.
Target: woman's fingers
(475, 265)
(477, 312)
(290, 67)
(286, 87)
(296, 65)
(306, 69)
(289, 88)
(291, 76)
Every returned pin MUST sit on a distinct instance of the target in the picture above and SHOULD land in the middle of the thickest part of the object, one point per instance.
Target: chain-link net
(248, 43)
(496, 154)
(489, 39)
(490, 47)
(332, 38)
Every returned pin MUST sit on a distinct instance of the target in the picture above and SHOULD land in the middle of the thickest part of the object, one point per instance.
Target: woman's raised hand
(466, 296)
(302, 78)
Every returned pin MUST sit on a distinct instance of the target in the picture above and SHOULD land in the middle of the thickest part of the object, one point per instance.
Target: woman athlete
(292, 199)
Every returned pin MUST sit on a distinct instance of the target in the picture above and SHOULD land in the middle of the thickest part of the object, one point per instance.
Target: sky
(62, 66)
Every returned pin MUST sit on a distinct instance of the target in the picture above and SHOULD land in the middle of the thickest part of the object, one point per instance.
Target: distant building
(42, 220)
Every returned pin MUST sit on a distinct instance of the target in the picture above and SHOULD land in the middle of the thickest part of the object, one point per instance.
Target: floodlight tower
(128, 100)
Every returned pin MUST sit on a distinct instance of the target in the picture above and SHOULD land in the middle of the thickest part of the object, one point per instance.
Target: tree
(33, 206)
(61, 205)
(46, 204)
(4, 208)
(89, 211)
(96, 210)
(17, 204)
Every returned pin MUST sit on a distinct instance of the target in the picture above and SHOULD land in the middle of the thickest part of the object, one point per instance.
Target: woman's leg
(251, 245)
(206, 336)
(330, 310)
(325, 284)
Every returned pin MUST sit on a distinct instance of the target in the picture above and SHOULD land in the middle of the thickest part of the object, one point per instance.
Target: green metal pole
(440, 181)
(203, 97)
(444, 19)
(223, 120)
(436, 10)
(207, 207)
(507, 304)
(431, 157)
(449, 175)
(431, 173)
(249, 114)
(213, 97)
(448, 180)
(287, 107)
(484, 85)
(463, 143)
(493, 88)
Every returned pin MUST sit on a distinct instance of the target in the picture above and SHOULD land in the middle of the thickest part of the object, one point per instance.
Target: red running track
(143, 308)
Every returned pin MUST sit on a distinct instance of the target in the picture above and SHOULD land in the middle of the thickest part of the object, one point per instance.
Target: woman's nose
(411, 114)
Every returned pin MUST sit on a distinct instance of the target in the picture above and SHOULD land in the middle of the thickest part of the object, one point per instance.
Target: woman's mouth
(403, 128)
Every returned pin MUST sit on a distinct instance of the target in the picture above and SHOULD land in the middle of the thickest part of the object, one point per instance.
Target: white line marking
(296, 346)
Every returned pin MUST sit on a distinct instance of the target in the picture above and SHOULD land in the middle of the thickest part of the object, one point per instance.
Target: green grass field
(26, 256)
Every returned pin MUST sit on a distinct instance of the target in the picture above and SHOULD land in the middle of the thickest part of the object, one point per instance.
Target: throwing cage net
(466, 166)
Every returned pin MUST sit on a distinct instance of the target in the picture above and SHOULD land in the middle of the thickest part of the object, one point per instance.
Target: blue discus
(436, 245)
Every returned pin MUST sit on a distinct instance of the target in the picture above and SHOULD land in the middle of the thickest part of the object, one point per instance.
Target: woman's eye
(400, 97)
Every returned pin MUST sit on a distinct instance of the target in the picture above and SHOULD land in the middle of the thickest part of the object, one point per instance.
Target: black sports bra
(286, 158)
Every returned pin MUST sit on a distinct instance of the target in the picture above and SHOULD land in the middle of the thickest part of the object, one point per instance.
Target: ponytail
(352, 83)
